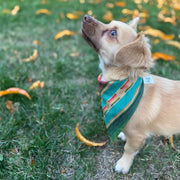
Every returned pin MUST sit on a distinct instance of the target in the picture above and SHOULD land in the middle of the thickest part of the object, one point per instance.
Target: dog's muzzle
(88, 29)
(89, 25)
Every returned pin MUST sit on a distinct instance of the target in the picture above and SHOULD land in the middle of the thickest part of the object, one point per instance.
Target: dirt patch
(105, 164)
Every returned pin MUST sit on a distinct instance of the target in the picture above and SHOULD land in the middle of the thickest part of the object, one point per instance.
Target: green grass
(38, 140)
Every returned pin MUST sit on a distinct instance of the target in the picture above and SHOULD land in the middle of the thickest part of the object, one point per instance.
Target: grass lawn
(37, 140)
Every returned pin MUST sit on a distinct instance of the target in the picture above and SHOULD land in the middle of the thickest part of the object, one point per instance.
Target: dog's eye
(113, 33)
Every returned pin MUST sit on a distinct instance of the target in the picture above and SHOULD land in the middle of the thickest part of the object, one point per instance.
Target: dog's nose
(87, 19)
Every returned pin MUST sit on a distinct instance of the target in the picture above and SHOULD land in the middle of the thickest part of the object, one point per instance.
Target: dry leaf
(135, 13)
(158, 33)
(160, 3)
(63, 171)
(120, 4)
(159, 55)
(62, 15)
(33, 162)
(58, 20)
(6, 11)
(15, 91)
(97, 93)
(14, 151)
(168, 19)
(72, 16)
(36, 42)
(55, 55)
(63, 33)
(15, 10)
(108, 16)
(79, 13)
(84, 140)
(33, 57)
(174, 43)
(90, 13)
(94, 1)
(144, 14)
(36, 85)
(137, 1)
(84, 102)
(75, 54)
(110, 5)
(43, 11)
(124, 19)
(127, 11)
(29, 80)
(172, 19)
(156, 41)
(139, 6)
(17, 54)
(9, 106)
(143, 20)
(44, 2)
(42, 84)
(61, 110)
(141, 28)
(82, 1)
(176, 6)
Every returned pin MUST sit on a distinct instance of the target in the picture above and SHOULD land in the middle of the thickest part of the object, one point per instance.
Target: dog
(126, 54)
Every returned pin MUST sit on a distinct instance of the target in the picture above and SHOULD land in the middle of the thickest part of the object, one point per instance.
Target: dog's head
(117, 43)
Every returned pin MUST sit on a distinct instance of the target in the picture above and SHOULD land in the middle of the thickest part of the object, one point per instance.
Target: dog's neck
(119, 72)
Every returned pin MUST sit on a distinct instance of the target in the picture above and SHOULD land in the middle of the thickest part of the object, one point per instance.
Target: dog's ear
(136, 54)
(134, 23)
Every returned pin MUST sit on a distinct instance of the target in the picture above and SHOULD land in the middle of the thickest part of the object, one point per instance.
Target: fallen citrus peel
(15, 90)
(84, 140)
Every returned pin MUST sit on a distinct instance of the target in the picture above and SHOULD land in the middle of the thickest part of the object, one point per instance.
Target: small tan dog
(125, 54)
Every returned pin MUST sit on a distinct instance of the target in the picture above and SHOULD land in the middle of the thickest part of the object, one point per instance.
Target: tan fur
(128, 56)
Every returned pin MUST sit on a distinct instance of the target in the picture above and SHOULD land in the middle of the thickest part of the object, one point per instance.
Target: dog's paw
(122, 136)
(122, 167)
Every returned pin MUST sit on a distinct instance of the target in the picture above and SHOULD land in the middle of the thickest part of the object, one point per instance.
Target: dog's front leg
(131, 148)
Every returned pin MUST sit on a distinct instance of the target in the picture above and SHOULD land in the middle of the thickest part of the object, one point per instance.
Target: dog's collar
(119, 100)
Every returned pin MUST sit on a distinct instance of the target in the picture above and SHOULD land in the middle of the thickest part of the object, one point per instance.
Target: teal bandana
(119, 102)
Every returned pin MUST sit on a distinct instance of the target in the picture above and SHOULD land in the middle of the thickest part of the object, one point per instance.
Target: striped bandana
(119, 100)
